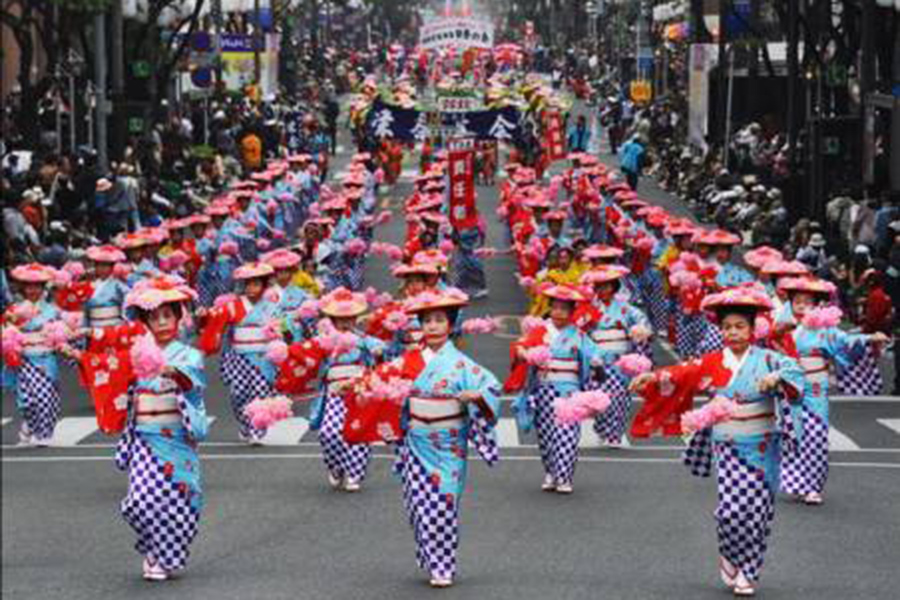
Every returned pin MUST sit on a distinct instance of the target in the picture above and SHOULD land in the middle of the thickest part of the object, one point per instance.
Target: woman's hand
(640, 383)
(469, 397)
(769, 383)
(70, 352)
(879, 339)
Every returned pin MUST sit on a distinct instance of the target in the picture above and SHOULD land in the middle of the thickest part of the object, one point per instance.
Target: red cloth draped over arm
(672, 394)
(518, 373)
(219, 318)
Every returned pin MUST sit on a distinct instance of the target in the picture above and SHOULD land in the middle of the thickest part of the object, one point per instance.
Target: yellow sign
(641, 91)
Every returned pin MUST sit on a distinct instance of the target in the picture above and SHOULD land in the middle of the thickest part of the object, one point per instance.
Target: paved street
(637, 527)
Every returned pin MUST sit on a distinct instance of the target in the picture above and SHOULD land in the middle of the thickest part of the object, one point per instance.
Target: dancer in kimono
(243, 324)
(552, 361)
(105, 307)
(815, 345)
(744, 441)
(166, 420)
(453, 401)
(617, 328)
(406, 334)
(31, 364)
(346, 463)
(290, 296)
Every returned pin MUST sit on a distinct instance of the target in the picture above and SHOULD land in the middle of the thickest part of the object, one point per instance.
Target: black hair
(748, 312)
(143, 315)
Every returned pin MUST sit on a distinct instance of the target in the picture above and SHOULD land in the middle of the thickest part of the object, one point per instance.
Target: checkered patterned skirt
(245, 383)
(611, 424)
(557, 443)
(688, 331)
(39, 400)
(434, 515)
(861, 377)
(806, 469)
(354, 271)
(158, 509)
(655, 300)
(468, 271)
(745, 510)
(341, 459)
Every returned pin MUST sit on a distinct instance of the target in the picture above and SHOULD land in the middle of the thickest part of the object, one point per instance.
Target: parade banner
(463, 212)
(386, 121)
(554, 139)
(460, 32)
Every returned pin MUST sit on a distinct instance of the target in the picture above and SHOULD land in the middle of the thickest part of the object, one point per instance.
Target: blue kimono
(746, 452)
(432, 455)
(611, 333)
(104, 307)
(289, 300)
(345, 462)
(245, 369)
(731, 275)
(35, 382)
(574, 356)
(167, 418)
(806, 470)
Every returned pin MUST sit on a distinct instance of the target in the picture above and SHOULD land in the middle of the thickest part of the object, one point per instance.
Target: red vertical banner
(554, 137)
(463, 213)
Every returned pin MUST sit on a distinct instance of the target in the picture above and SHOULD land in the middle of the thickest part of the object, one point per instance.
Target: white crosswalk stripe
(74, 431)
(892, 424)
(838, 441)
(287, 432)
(507, 433)
(71, 430)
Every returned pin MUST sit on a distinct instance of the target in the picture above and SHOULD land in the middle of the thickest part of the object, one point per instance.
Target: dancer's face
(343, 324)
(103, 269)
(560, 313)
(163, 324)
(32, 291)
(254, 288)
(802, 303)
(435, 328)
(737, 331)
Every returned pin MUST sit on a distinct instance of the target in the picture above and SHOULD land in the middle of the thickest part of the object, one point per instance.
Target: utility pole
(793, 89)
(257, 43)
(117, 72)
(100, 83)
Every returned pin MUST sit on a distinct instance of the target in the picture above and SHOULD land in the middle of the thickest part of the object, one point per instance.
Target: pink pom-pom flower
(277, 234)
(271, 207)
(762, 328)
(277, 352)
(383, 218)
(174, 261)
(61, 278)
(263, 244)
(531, 323)
(823, 318)
(391, 389)
(527, 283)
(572, 409)
(308, 310)
(56, 334)
(446, 246)
(634, 364)
(13, 340)
(718, 410)
(272, 329)
(224, 300)
(73, 319)
(265, 412)
(229, 248)
(75, 269)
(396, 320)
(538, 356)
(147, 358)
(480, 325)
(355, 247)
(486, 252)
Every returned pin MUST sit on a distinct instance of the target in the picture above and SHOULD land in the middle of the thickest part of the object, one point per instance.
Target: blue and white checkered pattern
(159, 512)
(688, 330)
(806, 470)
(341, 459)
(698, 455)
(42, 402)
(434, 517)
(611, 424)
(558, 444)
(710, 338)
(245, 384)
(745, 510)
(861, 377)
(354, 272)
